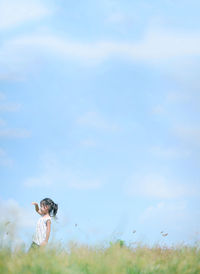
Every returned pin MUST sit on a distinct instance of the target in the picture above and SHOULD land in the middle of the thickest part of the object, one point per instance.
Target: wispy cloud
(2, 96)
(14, 133)
(7, 75)
(14, 213)
(116, 17)
(173, 217)
(13, 219)
(169, 152)
(9, 107)
(56, 174)
(9, 132)
(189, 134)
(97, 121)
(5, 160)
(158, 186)
(163, 210)
(159, 109)
(177, 97)
(42, 180)
(88, 143)
(14, 13)
(2, 122)
(156, 47)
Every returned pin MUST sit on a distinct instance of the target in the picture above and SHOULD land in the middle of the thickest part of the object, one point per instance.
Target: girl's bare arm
(37, 208)
(47, 233)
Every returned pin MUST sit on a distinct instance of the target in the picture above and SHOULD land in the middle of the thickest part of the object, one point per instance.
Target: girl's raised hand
(34, 203)
(37, 208)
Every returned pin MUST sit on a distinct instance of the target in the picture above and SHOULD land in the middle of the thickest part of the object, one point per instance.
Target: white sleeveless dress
(41, 230)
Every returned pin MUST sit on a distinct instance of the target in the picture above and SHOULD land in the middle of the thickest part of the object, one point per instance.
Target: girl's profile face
(44, 208)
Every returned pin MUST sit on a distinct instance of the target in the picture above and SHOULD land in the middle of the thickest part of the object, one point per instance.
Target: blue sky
(99, 110)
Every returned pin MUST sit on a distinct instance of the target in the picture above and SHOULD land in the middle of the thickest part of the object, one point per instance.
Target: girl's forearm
(47, 236)
(47, 239)
(48, 231)
(36, 207)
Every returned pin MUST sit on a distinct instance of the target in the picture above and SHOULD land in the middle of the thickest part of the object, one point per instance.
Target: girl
(47, 210)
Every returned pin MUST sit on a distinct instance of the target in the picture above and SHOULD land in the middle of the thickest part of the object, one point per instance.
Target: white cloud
(158, 186)
(97, 121)
(190, 134)
(4, 159)
(2, 96)
(156, 47)
(159, 109)
(172, 98)
(2, 122)
(88, 143)
(169, 152)
(80, 184)
(12, 212)
(63, 178)
(10, 107)
(9, 76)
(163, 210)
(172, 217)
(42, 180)
(6, 132)
(2, 152)
(17, 12)
(54, 173)
(177, 97)
(116, 17)
(13, 219)
(14, 133)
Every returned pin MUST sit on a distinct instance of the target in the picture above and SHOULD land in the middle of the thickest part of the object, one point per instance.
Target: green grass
(117, 258)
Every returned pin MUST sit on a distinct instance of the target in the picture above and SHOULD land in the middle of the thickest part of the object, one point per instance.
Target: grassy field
(117, 258)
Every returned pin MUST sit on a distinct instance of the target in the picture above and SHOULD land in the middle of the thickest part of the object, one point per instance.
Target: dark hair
(53, 208)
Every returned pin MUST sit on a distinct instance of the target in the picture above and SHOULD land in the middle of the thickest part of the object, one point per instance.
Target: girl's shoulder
(46, 218)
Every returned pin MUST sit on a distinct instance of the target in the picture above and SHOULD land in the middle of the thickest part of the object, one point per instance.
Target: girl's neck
(46, 215)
